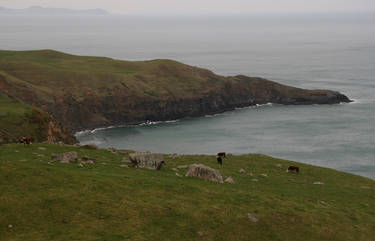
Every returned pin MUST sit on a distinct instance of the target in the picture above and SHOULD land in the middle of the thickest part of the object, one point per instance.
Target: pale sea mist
(318, 52)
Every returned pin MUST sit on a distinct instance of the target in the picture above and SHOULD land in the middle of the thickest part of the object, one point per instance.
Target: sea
(315, 51)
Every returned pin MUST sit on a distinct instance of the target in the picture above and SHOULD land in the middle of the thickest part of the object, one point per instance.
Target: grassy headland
(87, 92)
(45, 200)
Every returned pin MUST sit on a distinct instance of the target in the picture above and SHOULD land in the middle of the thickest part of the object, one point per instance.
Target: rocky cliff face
(87, 92)
(117, 109)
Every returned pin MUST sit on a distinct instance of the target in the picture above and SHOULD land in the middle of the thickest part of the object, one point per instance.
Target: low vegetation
(45, 200)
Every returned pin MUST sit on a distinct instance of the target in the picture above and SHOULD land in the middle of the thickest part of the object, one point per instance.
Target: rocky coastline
(84, 93)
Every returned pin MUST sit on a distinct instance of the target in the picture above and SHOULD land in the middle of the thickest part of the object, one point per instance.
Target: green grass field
(17, 120)
(45, 200)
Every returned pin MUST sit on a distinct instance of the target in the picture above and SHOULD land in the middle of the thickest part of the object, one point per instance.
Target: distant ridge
(38, 10)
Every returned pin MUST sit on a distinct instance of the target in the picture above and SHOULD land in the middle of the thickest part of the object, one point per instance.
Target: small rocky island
(70, 93)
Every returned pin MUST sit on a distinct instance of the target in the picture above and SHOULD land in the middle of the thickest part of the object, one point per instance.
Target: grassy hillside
(44, 200)
(87, 92)
(18, 120)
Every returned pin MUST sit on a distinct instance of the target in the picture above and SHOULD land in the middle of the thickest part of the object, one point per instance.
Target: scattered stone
(124, 165)
(173, 156)
(90, 146)
(183, 166)
(229, 180)
(200, 233)
(16, 151)
(42, 148)
(177, 174)
(204, 172)
(126, 160)
(254, 180)
(175, 169)
(10, 226)
(252, 218)
(67, 157)
(279, 165)
(112, 150)
(23, 160)
(123, 151)
(153, 161)
(323, 203)
(250, 174)
(365, 187)
(264, 175)
(318, 183)
(243, 171)
(88, 160)
(80, 165)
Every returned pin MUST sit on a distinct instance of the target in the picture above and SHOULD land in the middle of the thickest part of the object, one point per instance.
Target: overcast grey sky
(202, 6)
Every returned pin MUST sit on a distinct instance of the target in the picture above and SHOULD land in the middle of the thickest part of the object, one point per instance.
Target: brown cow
(26, 141)
(221, 154)
(293, 168)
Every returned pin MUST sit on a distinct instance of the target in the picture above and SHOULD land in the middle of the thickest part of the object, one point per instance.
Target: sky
(203, 6)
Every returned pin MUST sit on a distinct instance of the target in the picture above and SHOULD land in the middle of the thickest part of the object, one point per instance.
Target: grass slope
(60, 73)
(44, 200)
(17, 120)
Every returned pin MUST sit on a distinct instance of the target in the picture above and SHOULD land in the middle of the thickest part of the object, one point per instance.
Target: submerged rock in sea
(153, 161)
(204, 172)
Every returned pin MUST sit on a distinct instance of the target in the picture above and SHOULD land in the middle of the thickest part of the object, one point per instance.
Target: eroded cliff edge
(88, 92)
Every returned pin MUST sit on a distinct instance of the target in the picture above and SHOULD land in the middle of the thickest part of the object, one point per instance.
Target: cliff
(88, 92)
(18, 120)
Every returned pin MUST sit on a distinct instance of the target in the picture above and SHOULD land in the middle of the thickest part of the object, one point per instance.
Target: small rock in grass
(200, 233)
(90, 146)
(124, 165)
(66, 157)
(177, 174)
(252, 218)
(175, 169)
(318, 183)
(88, 160)
(243, 171)
(254, 180)
(264, 175)
(10, 226)
(279, 165)
(183, 166)
(204, 172)
(250, 174)
(16, 151)
(80, 165)
(112, 150)
(229, 180)
(126, 160)
(323, 203)
(42, 148)
(153, 161)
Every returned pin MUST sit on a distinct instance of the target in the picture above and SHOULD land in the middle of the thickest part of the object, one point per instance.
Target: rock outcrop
(204, 172)
(67, 157)
(153, 161)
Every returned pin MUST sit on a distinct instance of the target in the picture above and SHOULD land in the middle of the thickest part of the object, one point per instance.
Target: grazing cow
(293, 168)
(221, 154)
(26, 141)
(219, 160)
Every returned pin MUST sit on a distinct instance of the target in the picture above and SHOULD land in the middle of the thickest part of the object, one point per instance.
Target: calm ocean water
(315, 52)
